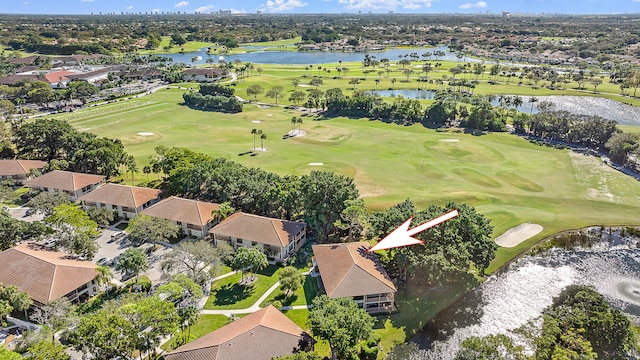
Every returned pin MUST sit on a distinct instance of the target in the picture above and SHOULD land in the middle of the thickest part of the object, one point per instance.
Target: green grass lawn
(303, 296)
(206, 324)
(228, 294)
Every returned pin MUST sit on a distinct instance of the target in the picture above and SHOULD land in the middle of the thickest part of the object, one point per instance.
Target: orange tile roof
(19, 167)
(57, 76)
(260, 229)
(265, 334)
(65, 180)
(43, 273)
(122, 195)
(183, 210)
(349, 270)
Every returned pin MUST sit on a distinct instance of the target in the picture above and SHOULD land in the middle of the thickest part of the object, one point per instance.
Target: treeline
(403, 111)
(587, 130)
(318, 198)
(213, 97)
(66, 148)
(57, 49)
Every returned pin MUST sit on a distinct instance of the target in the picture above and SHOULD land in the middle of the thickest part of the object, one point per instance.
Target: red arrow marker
(403, 236)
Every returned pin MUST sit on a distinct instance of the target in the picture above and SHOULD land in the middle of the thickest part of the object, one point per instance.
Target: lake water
(309, 57)
(520, 293)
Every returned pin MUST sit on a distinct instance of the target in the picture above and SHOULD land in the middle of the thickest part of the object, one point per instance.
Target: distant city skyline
(320, 6)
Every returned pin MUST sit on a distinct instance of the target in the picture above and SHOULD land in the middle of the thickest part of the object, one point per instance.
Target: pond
(309, 57)
(521, 292)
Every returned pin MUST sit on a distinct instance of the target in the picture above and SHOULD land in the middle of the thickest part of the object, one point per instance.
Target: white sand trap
(304, 85)
(269, 114)
(316, 164)
(518, 234)
(259, 149)
(449, 140)
(296, 133)
(145, 133)
(256, 121)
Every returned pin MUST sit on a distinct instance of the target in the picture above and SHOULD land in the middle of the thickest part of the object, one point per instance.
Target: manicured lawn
(206, 324)
(227, 293)
(303, 296)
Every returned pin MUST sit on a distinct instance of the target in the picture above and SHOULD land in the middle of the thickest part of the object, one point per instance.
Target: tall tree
(46, 351)
(75, 230)
(255, 90)
(249, 260)
(290, 280)
(56, 315)
(199, 260)
(340, 322)
(132, 261)
(45, 202)
(104, 277)
(144, 228)
(324, 195)
(222, 212)
(275, 92)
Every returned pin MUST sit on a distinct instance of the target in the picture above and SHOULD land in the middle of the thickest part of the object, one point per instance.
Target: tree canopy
(144, 228)
(341, 323)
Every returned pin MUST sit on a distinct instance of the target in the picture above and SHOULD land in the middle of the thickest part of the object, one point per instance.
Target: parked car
(105, 261)
(117, 236)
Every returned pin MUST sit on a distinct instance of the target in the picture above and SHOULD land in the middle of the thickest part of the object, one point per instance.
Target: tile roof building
(348, 270)
(73, 184)
(127, 200)
(19, 169)
(277, 238)
(194, 217)
(263, 335)
(46, 274)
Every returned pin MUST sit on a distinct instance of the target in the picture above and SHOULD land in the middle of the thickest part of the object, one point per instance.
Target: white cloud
(86, 0)
(26, 3)
(385, 4)
(284, 5)
(182, 4)
(243, 11)
(130, 7)
(478, 5)
(203, 9)
(155, 10)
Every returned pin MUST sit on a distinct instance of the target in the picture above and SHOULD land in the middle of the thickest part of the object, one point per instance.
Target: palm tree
(294, 121)
(263, 137)
(299, 124)
(22, 302)
(104, 277)
(532, 100)
(222, 212)
(255, 132)
(132, 166)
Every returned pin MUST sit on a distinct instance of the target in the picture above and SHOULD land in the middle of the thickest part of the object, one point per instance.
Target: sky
(320, 6)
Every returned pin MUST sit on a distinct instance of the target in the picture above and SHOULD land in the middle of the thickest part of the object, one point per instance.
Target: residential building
(127, 200)
(73, 184)
(204, 75)
(276, 238)
(194, 217)
(263, 335)
(46, 274)
(19, 170)
(348, 270)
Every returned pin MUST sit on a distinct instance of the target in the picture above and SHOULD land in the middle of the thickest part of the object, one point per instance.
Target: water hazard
(519, 294)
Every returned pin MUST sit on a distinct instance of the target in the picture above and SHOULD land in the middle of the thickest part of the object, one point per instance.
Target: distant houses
(348, 270)
(263, 335)
(204, 75)
(46, 274)
(128, 201)
(277, 238)
(72, 183)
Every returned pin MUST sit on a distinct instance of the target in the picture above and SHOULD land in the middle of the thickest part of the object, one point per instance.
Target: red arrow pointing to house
(403, 236)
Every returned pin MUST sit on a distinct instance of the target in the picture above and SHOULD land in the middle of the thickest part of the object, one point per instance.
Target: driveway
(20, 213)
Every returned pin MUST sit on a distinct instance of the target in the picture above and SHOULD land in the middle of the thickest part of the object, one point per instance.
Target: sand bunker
(316, 164)
(304, 85)
(449, 140)
(269, 114)
(256, 121)
(145, 133)
(518, 234)
(296, 133)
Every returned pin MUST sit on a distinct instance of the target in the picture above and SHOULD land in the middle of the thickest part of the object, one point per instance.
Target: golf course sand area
(518, 234)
